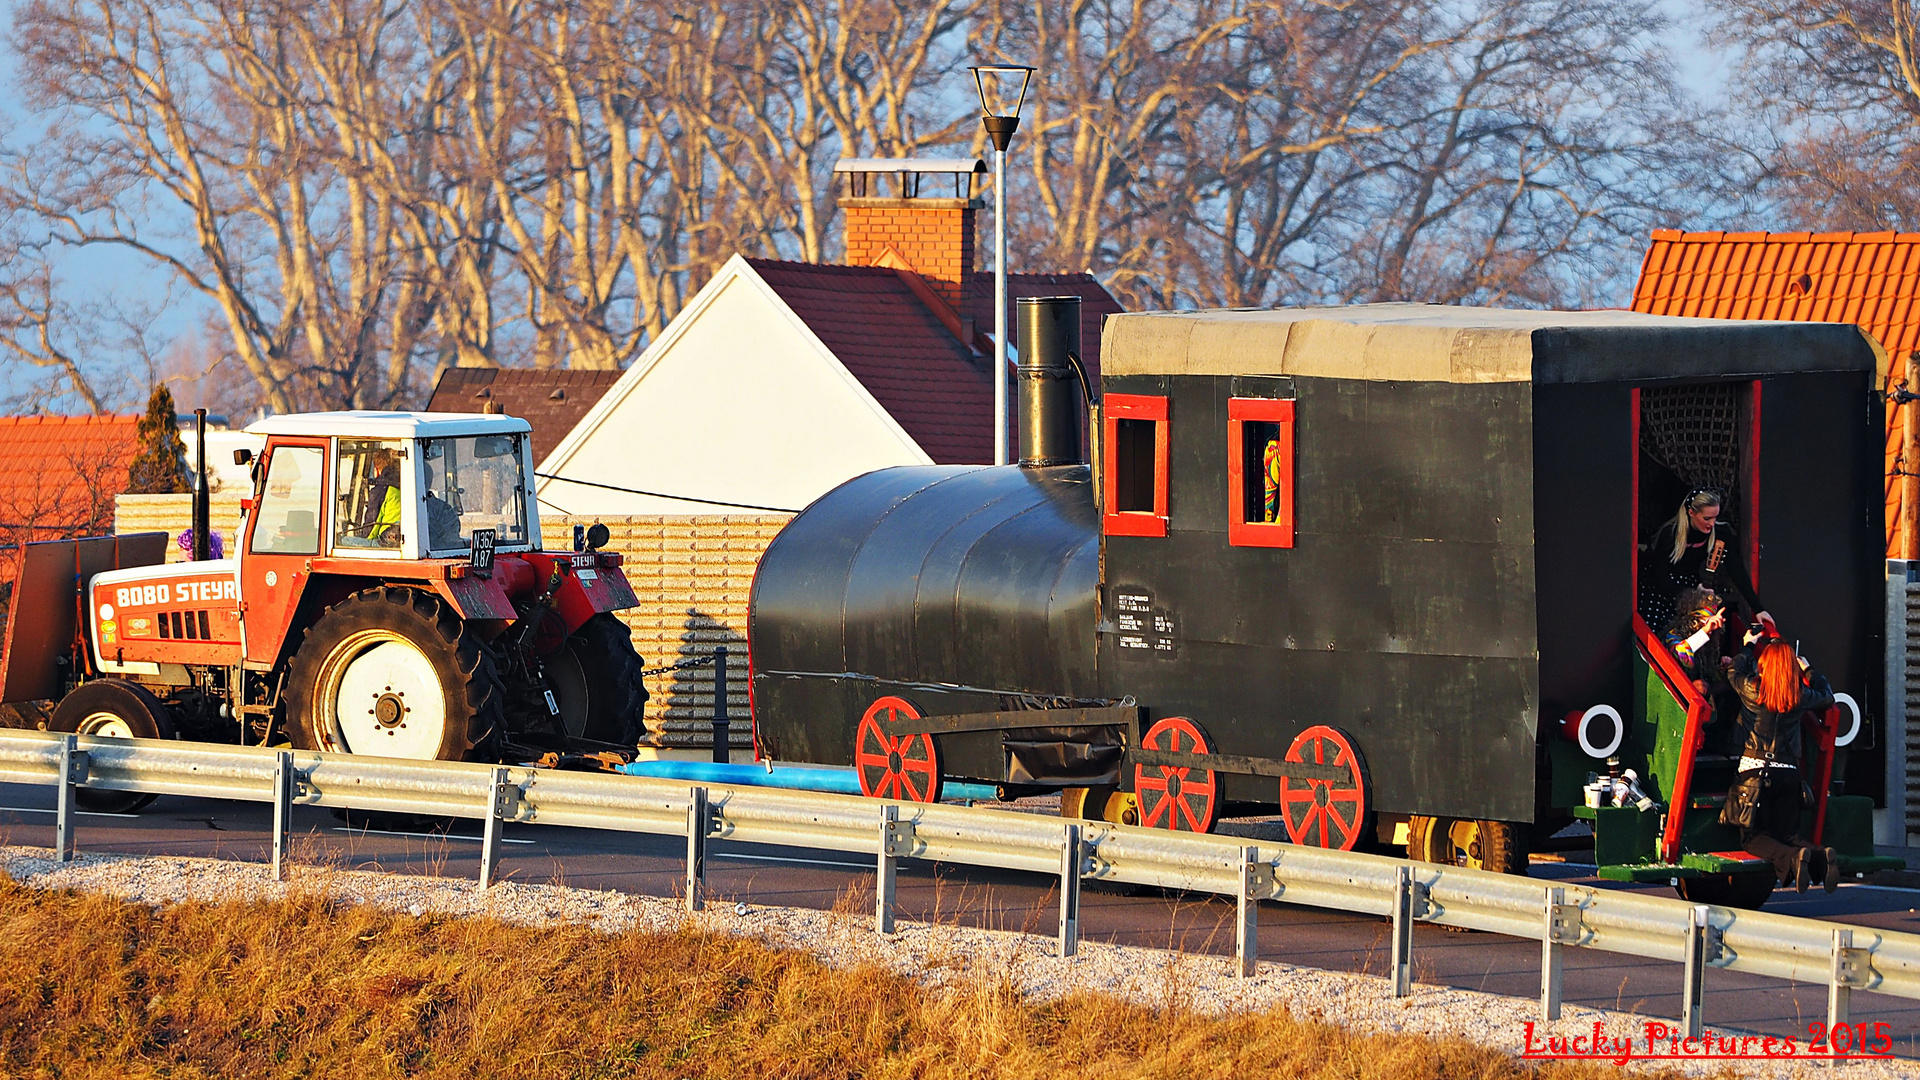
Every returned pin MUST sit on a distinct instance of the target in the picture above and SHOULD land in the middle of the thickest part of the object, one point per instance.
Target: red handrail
(1662, 660)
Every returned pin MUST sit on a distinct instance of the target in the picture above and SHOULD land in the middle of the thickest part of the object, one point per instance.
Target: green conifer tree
(160, 458)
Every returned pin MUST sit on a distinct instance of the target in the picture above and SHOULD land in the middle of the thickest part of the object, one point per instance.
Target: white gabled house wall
(737, 402)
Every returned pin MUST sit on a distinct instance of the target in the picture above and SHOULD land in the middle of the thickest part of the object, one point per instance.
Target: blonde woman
(1696, 549)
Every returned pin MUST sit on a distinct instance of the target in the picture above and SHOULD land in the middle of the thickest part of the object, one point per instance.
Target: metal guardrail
(1843, 958)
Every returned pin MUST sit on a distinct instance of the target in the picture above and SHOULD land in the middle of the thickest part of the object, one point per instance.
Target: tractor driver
(443, 521)
(380, 509)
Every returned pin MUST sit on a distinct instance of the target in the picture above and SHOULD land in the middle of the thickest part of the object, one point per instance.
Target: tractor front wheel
(394, 673)
(1498, 846)
(112, 708)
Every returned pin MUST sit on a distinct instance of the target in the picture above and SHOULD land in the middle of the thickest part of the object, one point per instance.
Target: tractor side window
(474, 482)
(288, 519)
(1134, 462)
(367, 480)
(1259, 473)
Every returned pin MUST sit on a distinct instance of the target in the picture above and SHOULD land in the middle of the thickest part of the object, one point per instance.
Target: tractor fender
(475, 597)
(590, 583)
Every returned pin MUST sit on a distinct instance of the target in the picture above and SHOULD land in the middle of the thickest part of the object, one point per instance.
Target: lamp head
(1003, 90)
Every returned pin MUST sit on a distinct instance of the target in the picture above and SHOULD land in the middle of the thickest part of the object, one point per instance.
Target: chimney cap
(910, 165)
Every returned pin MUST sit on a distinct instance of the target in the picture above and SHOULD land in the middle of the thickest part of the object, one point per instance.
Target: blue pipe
(840, 781)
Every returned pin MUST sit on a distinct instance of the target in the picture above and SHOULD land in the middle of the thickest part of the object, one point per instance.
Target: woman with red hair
(1776, 687)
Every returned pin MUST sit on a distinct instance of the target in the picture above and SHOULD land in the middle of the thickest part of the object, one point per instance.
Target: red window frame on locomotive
(1118, 407)
(1277, 533)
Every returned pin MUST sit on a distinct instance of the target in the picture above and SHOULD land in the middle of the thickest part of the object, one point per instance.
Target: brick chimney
(924, 223)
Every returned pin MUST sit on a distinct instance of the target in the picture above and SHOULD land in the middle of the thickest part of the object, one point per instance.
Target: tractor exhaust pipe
(1051, 381)
(202, 498)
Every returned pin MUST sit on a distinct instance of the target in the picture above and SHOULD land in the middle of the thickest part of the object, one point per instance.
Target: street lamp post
(1003, 89)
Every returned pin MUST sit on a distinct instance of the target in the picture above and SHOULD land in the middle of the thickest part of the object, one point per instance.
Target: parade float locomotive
(1371, 569)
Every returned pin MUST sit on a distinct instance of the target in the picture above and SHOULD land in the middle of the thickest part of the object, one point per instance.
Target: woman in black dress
(1693, 550)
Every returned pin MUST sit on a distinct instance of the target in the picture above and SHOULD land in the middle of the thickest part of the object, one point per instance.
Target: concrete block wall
(173, 515)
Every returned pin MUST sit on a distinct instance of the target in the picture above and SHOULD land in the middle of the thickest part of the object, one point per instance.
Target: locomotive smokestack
(1049, 340)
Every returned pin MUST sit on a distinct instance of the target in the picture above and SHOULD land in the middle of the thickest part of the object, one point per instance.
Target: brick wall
(692, 576)
(934, 235)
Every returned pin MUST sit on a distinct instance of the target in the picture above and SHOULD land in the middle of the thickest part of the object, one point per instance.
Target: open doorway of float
(1688, 436)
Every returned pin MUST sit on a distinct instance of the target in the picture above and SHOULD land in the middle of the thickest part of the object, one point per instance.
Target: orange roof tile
(1865, 278)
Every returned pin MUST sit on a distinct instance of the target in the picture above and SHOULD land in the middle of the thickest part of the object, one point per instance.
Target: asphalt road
(1333, 940)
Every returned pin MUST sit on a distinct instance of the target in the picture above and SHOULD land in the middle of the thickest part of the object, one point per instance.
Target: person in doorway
(1694, 635)
(1692, 550)
(1775, 687)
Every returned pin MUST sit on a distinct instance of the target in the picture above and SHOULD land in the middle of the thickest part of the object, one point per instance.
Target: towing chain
(697, 661)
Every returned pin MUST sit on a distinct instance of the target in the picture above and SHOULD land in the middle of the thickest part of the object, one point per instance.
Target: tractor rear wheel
(596, 682)
(392, 672)
(1498, 846)
(112, 708)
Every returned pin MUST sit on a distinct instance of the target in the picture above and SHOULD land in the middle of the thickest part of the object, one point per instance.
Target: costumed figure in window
(1270, 462)
(1696, 549)
(1776, 688)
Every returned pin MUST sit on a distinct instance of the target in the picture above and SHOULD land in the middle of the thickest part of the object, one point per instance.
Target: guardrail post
(1246, 934)
(73, 771)
(722, 748)
(1403, 897)
(1562, 928)
(282, 810)
(1850, 969)
(1693, 994)
(894, 839)
(497, 809)
(699, 823)
(1071, 859)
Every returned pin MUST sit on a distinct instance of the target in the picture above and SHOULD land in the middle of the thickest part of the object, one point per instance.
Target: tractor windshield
(474, 482)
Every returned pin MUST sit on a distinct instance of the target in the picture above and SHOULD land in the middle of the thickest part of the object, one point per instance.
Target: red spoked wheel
(1177, 798)
(905, 767)
(1325, 813)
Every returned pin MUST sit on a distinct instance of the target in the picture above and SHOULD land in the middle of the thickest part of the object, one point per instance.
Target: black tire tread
(616, 694)
(146, 714)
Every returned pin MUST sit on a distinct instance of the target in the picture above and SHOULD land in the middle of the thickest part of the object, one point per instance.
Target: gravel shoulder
(935, 954)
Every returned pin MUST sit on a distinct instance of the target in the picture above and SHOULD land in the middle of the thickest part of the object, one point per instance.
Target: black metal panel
(961, 590)
(1584, 543)
(1822, 569)
(1404, 613)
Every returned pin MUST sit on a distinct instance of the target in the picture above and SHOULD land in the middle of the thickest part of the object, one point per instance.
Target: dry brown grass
(92, 987)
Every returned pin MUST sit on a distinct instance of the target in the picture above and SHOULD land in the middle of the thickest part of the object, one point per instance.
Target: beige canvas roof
(1438, 343)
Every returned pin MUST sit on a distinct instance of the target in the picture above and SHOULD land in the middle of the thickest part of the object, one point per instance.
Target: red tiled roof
(871, 319)
(59, 474)
(552, 400)
(1868, 279)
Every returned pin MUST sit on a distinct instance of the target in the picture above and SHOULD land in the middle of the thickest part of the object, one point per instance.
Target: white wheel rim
(1587, 745)
(380, 695)
(1852, 732)
(107, 725)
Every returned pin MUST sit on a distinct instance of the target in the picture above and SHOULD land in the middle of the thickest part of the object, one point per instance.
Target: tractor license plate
(480, 550)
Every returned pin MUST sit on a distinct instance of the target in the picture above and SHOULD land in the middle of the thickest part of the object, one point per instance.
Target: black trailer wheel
(905, 767)
(115, 709)
(395, 673)
(1498, 846)
(596, 682)
(1745, 891)
(1326, 813)
(1177, 798)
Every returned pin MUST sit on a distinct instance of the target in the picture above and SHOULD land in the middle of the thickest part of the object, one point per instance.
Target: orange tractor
(388, 597)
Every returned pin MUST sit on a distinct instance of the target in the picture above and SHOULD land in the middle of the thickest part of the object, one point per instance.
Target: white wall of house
(737, 402)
